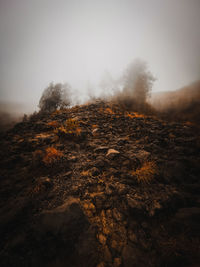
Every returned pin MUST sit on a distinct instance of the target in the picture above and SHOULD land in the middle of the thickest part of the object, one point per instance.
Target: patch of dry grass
(85, 173)
(71, 127)
(134, 115)
(146, 173)
(52, 155)
(109, 111)
(54, 124)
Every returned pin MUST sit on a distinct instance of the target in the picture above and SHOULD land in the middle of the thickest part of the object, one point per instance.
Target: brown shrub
(52, 156)
(69, 129)
(146, 173)
(54, 124)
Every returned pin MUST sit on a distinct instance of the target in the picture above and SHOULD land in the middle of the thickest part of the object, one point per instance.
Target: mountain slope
(94, 186)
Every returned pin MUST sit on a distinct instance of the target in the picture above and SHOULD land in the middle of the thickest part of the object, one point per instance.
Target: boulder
(67, 219)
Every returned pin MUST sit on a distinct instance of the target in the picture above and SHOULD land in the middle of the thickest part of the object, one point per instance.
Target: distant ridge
(181, 104)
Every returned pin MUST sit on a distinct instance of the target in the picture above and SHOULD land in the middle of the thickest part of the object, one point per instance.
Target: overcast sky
(76, 41)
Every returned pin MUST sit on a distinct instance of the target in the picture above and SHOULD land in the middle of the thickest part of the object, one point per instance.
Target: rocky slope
(95, 186)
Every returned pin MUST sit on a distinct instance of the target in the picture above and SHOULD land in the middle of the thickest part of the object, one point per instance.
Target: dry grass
(53, 124)
(71, 124)
(85, 173)
(106, 111)
(109, 111)
(71, 127)
(134, 115)
(146, 173)
(52, 155)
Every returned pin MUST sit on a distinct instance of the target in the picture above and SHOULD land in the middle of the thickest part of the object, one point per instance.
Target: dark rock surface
(123, 191)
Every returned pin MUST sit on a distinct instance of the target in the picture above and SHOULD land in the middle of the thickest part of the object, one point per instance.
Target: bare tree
(138, 82)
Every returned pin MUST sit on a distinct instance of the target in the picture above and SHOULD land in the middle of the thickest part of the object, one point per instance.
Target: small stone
(94, 131)
(102, 239)
(45, 181)
(112, 151)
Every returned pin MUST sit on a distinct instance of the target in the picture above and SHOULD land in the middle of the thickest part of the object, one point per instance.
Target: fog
(80, 42)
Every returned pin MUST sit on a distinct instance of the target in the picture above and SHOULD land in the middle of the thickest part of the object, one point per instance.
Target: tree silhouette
(54, 97)
(138, 82)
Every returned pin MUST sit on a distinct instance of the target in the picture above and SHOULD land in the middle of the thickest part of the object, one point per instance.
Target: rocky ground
(105, 188)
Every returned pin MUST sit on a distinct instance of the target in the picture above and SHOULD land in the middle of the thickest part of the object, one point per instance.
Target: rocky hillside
(96, 186)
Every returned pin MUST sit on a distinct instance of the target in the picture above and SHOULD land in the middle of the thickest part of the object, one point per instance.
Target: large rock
(65, 237)
(66, 219)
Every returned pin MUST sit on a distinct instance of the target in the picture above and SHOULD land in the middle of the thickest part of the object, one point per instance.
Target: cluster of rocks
(89, 208)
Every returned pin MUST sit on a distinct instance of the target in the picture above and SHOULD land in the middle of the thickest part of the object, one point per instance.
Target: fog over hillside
(80, 42)
(12, 112)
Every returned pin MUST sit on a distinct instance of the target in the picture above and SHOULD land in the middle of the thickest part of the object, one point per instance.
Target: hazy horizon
(79, 41)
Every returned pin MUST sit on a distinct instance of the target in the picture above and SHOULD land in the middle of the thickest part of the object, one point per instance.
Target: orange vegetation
(52, 156)
(78, 131)
(85, 173)
(71, 127)
(146, 173)
(54, 124)
(109, 110)
(134, 115)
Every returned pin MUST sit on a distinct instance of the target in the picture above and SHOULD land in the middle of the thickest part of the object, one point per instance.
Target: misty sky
(76, 41)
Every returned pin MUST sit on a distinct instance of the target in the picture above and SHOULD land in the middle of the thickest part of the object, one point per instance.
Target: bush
(52, 156)
(69, 129)
(54, 97)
